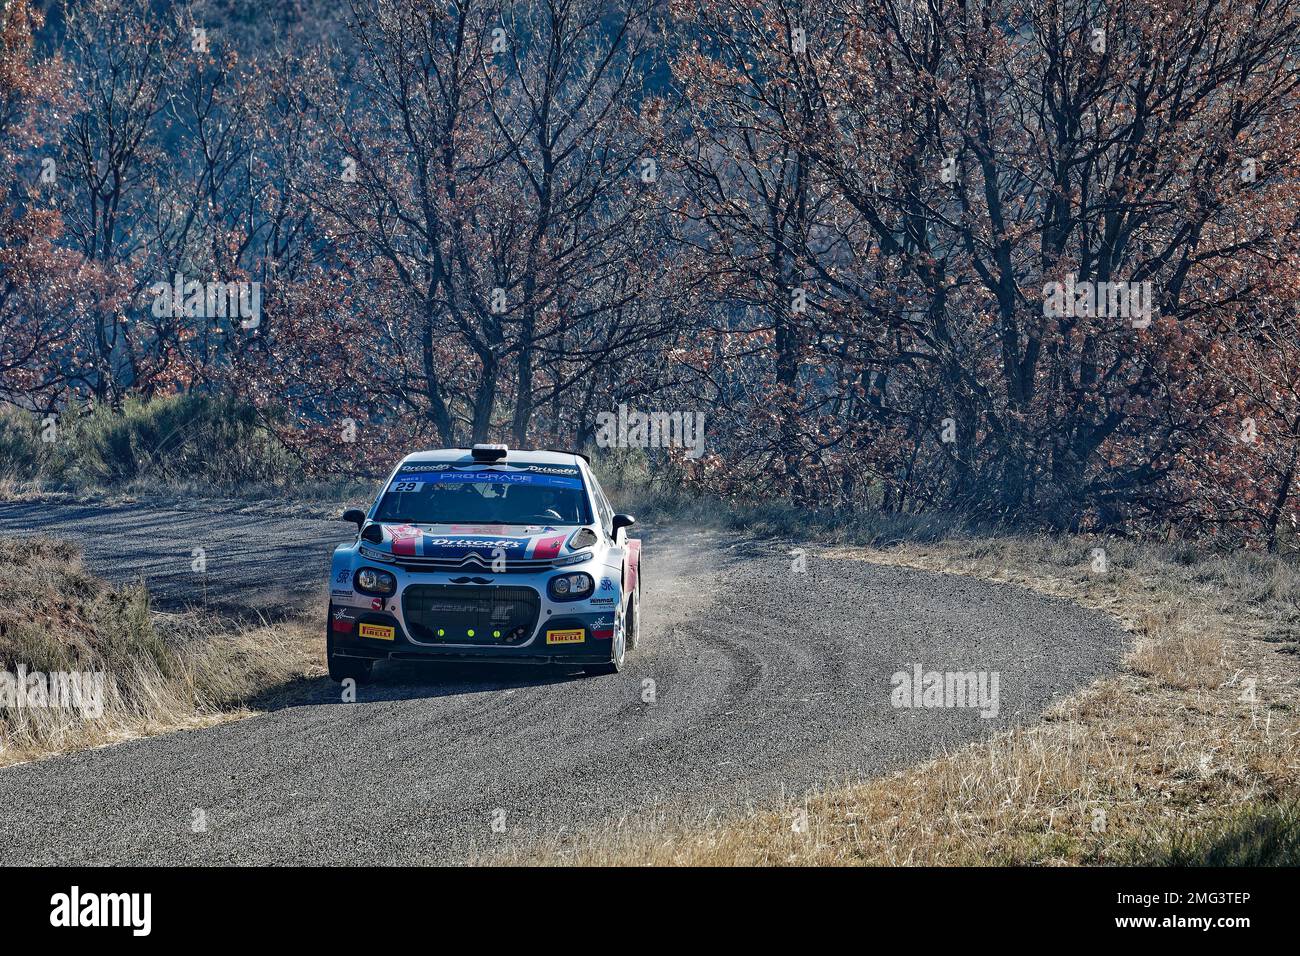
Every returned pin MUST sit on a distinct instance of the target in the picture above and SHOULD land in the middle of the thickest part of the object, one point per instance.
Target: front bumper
(436, 617)
(350, 643)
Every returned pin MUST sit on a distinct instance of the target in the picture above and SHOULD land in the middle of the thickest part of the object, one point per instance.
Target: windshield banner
(411, 481)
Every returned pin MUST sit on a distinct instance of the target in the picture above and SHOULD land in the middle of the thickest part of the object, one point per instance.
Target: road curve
(752, 681)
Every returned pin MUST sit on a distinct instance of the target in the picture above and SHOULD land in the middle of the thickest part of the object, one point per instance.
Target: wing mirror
(621, 521)
(356, 516)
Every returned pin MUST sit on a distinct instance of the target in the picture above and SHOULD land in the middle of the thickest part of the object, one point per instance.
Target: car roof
(516, 456)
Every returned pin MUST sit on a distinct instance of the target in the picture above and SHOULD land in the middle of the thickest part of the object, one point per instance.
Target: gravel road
(751, 681)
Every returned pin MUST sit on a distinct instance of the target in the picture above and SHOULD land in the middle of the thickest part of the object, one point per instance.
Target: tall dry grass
(161, 671)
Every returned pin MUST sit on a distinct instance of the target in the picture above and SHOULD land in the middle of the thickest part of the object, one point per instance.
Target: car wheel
(634, 619)
(346, 668)
(617, 651)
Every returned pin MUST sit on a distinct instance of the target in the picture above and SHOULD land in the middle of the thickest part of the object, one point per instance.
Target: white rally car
(486, 554)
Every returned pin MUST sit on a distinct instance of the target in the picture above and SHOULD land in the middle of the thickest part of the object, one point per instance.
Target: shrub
(23, 455)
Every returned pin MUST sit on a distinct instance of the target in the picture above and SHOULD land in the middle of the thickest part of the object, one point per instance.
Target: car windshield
(501, 494)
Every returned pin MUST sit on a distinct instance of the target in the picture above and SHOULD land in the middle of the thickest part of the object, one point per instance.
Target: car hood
(487, 541)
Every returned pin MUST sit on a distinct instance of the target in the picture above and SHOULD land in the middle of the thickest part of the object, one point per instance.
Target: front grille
(457, 609)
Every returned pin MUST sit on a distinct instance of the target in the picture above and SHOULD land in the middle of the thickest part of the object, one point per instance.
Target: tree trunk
(485, 399)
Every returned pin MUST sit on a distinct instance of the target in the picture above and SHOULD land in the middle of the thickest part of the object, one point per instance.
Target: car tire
(633, 622)
(617, 651)
(346, 668)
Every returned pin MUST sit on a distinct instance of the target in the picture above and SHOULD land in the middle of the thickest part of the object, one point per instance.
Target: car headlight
(374, 581)
(571, 587)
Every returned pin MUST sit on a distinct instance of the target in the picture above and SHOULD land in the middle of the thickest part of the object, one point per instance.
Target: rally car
(486, 554)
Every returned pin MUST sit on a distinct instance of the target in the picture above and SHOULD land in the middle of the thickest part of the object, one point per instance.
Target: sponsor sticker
(540, 479)
(379, 632)
(349, 599)
(571, 636)
(552, 469)
(474, 542)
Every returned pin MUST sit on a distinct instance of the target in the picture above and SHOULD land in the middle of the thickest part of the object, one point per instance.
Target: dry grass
(161, 672)
(1193, 747)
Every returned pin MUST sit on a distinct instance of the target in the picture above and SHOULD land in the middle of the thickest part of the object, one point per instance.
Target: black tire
(633, 624)
(346, 668)
(343, 668)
